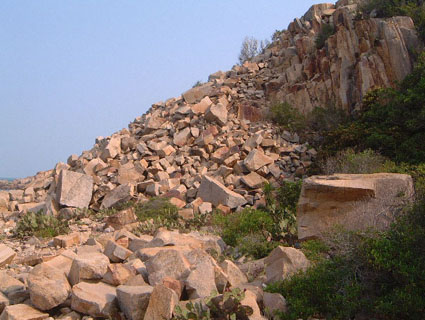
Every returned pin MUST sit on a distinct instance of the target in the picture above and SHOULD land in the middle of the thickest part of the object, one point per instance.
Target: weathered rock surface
(213, 191)
(90, 266)
(74, 189)
(134, 300)
(48, 287)
(283, 262)
(352, 201)
(6, 255)
(95, 299)
(22, 312)
(161, 304)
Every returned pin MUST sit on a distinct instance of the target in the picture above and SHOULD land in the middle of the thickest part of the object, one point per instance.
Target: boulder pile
(213, 137)
(119, 275)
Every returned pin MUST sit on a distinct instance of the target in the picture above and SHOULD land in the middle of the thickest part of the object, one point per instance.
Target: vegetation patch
(40, 225)
(326, 31)
(256, 232)
(373, 275)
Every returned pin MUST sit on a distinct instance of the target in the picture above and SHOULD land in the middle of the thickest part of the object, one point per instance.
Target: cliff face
(360, 55)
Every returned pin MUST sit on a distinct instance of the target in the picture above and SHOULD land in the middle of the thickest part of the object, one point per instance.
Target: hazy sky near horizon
(74, 70)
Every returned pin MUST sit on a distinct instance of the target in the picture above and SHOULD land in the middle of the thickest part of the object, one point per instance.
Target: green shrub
(326, 31)
(287, 116)
(237, 225)
(217, 306)
(40, 225)
(160, 213)
(315, 250)
(372, 275)
(349, 161)
(156, 208)
(257, 232)
(391, 122)
(281, 204)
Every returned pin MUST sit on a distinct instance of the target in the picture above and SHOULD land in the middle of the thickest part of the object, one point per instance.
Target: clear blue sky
(74, 70)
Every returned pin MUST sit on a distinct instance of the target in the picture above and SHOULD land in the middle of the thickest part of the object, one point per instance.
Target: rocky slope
(214, 129)
(209, 148)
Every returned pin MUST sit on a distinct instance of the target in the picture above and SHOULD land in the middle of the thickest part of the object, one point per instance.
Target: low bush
(287, 117)
(391, 122)
(160, 213)
(370, 275)
(256, 232)
(326, 31)
(40, 225)
(349, 161)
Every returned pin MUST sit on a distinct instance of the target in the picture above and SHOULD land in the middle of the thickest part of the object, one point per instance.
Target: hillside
(198, 197)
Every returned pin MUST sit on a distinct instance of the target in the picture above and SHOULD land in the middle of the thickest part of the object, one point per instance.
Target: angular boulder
(6, 255)
(117, 196)
(74, 189)
(213, 191)
(89, 266)
(134, 300)
(161, 303)
(48, 287)
(217, 113)
(283, 262)
(355, 201)
(22, 312)
(95, 299)
(197, 93)
(256, 159)
(167, 263)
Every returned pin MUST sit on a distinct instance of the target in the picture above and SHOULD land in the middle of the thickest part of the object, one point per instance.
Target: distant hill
(8, 179)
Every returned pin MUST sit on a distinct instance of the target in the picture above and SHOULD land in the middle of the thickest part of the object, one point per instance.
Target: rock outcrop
(352, 201)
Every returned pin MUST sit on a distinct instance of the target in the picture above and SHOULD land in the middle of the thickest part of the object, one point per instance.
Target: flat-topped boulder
(354, 201)
(74, 189)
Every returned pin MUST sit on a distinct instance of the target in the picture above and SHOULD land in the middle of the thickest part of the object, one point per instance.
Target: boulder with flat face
(354, 201)
(6, 255)
(283, 262)
(22, 312)
(213, 191)
(134, 300)
(95, 299)
(161, 303)
(48, 287)
(74, 189)
(117, 196)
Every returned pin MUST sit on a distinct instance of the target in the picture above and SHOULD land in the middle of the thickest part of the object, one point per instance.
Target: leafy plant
(192, 311)
(391, 122)
(326, 31)
(160, 213)
(287, 116)
(372, 275)
(40, 225)
(349, 161)
(226, 306)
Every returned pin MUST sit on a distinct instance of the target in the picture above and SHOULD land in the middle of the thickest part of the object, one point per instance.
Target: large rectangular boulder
(74, 189)
(213, 191)
(354, 201)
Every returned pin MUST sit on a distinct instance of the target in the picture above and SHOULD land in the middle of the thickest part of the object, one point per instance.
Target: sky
(73, 70)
